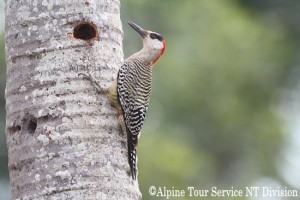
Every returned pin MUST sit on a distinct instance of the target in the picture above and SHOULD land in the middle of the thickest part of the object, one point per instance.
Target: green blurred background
(224, 108)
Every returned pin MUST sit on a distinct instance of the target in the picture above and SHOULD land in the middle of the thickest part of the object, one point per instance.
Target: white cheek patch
(157, 44)
(154, 44)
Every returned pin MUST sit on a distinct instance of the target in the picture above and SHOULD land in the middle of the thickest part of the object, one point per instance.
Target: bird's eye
(152, 36)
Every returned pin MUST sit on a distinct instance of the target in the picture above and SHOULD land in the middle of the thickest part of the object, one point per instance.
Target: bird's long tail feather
(132, 157)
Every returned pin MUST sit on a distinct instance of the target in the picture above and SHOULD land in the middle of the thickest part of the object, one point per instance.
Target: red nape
(161, 52)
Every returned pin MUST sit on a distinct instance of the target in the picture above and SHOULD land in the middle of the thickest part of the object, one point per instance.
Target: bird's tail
(131, 144)
(132, 156)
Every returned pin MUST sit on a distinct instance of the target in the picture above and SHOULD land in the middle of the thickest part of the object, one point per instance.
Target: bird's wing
(133, 113)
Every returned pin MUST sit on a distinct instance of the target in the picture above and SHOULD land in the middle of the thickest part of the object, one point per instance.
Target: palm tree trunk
(63, 137)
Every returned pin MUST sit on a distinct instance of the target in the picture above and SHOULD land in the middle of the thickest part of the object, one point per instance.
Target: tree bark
(63, 138)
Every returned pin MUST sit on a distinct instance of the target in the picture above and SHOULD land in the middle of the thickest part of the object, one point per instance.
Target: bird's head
(153, 43)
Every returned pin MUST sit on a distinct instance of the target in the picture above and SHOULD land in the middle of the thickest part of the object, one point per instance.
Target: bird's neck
(147, 56)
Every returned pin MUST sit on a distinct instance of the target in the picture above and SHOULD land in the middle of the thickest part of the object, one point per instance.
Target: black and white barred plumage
(133, 90)
(130, 92)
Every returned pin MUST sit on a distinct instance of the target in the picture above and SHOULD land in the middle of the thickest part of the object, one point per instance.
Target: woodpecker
(130, 92)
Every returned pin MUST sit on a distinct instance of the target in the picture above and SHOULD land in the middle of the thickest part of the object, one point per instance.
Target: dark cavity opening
(32, 124)
(85, 31)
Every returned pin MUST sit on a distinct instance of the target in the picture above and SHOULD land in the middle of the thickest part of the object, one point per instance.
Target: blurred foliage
(211, 120)
(279, 12)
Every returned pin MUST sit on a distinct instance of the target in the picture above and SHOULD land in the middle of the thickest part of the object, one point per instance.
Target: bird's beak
(138, 29)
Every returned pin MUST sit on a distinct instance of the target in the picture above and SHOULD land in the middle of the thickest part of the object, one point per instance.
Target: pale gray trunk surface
(63, 138)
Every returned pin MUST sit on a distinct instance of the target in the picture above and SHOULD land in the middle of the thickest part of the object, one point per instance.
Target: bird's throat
(161, 53)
